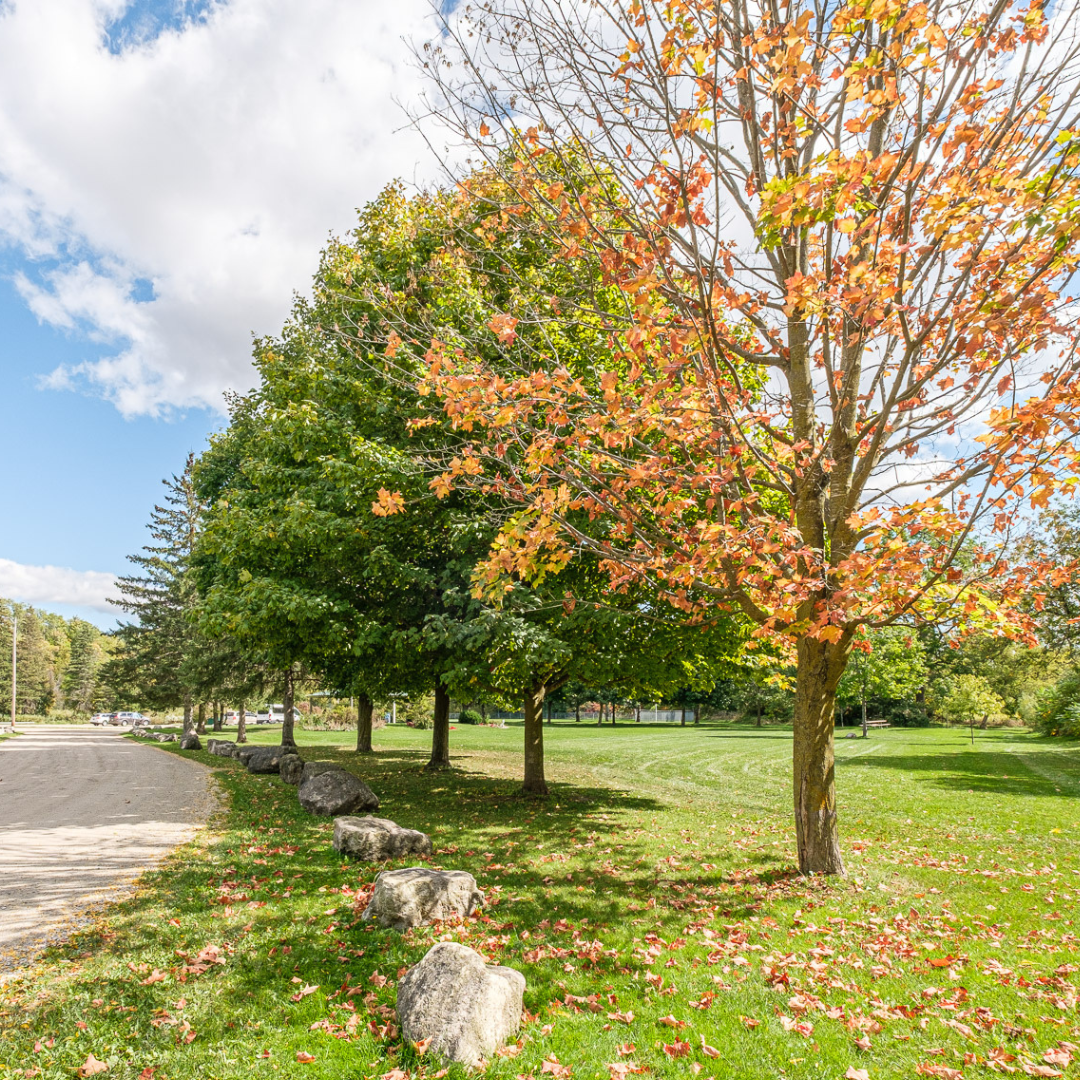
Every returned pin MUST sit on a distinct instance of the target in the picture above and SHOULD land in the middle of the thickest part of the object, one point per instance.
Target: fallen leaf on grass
(396, 1074)
(677, 1049)
(622, 1017)
(707, 1050)
(553, 1067)
(800, 1027)
(671, 1022)
(926, 1068)
(304, 1057)
(148, 1072)
(92, 1066)
(1058, 1055)
(863, 1042)
(1040, 1070)
(626, 1049)
(750, 1022)
(621, 1069)
(155, 976)
(856, 1074)
(304, 992)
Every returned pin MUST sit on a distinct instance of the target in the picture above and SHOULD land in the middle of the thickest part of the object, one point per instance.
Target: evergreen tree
(157, 662)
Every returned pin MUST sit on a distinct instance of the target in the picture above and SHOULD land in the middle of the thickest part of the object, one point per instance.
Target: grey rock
(291, 769)
(466, 1008)
(374, 839)
(336, 792)
(190, 741)
(317, 768)
(221, 747)
(270, 760)
(417, 895)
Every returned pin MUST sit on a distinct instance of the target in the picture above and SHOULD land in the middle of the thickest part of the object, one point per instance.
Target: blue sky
(169, 170)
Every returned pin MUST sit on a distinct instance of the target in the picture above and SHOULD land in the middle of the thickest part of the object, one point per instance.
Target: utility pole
(14, 664)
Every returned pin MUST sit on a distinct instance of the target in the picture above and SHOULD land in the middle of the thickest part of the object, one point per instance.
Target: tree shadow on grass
(970, 770)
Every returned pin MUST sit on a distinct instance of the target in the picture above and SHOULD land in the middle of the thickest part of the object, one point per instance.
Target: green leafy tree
(891, 666)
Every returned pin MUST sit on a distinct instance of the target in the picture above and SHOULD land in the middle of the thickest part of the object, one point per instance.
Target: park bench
(877, 723)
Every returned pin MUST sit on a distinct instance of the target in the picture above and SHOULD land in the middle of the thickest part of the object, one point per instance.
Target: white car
(101, 718)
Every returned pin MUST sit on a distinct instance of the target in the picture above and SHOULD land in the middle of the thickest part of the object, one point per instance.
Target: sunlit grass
(658, 881)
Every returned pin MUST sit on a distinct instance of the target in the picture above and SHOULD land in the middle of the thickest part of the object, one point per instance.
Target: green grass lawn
(651, 905)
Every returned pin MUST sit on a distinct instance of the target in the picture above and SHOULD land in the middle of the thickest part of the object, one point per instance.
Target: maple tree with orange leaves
(842, 362)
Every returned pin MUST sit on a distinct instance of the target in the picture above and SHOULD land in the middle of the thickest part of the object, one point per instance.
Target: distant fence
(590, 715)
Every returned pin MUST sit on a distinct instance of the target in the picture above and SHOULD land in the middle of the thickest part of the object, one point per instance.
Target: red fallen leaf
(422, 1045)
(1040, 1070)
(553, 1067)
(396, 1074)
(707, 1050)
(671, 1022)
(304, 1057)
(91, 1066)
(506, 1051)
(998, 1060)
(926, 1068)
(376, 979)
(941, 961)
(155, 976)
(622, 1017)
(863, 1042)
(1058, 1055)
(303, 993)
(98, 1002)
(626, 1049)
(148, 1073)
(856, 1074)
(80, 1024)
(621, 1069)
(189, 1036)
(677, 1049)
(800, 1027)
(265, 1054)
(750, 1022)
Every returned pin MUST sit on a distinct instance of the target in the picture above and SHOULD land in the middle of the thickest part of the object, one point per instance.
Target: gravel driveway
(83, 812)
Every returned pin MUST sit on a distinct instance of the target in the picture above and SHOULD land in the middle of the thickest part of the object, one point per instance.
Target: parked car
(129, 719)
(101, 718)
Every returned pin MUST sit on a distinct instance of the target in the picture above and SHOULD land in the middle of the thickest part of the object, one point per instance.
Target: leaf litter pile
(658, 920)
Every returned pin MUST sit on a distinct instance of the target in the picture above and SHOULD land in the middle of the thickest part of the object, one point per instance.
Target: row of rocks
(453, 1000)
(154, 736)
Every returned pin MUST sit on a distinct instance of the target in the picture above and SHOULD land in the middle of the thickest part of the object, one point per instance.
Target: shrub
(470, 716)
(905, 713)
(1060, 712)
(967, 699)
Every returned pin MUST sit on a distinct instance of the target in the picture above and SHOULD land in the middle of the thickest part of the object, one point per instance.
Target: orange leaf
(91, 1066)
(304, 1057)
(856, 1074)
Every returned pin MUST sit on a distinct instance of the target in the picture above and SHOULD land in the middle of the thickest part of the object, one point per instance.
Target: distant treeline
(60, 662)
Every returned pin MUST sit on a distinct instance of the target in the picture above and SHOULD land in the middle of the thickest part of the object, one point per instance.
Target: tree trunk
(187, 713)
(683, 723)
(758, 724)
(364, 707)
(547, 706)
(577, 712)
(241, 724)
(865, 730)
(534, 784)
(219, 716)
(200, 725)
(289, 703)
(440, 731)
(697, 714)
(820, 666)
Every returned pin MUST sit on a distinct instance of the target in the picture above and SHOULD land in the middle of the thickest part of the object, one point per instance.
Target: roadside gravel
(83, 813)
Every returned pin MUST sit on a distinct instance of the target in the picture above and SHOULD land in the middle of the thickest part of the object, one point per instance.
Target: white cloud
(210, 163)
(57, 585)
